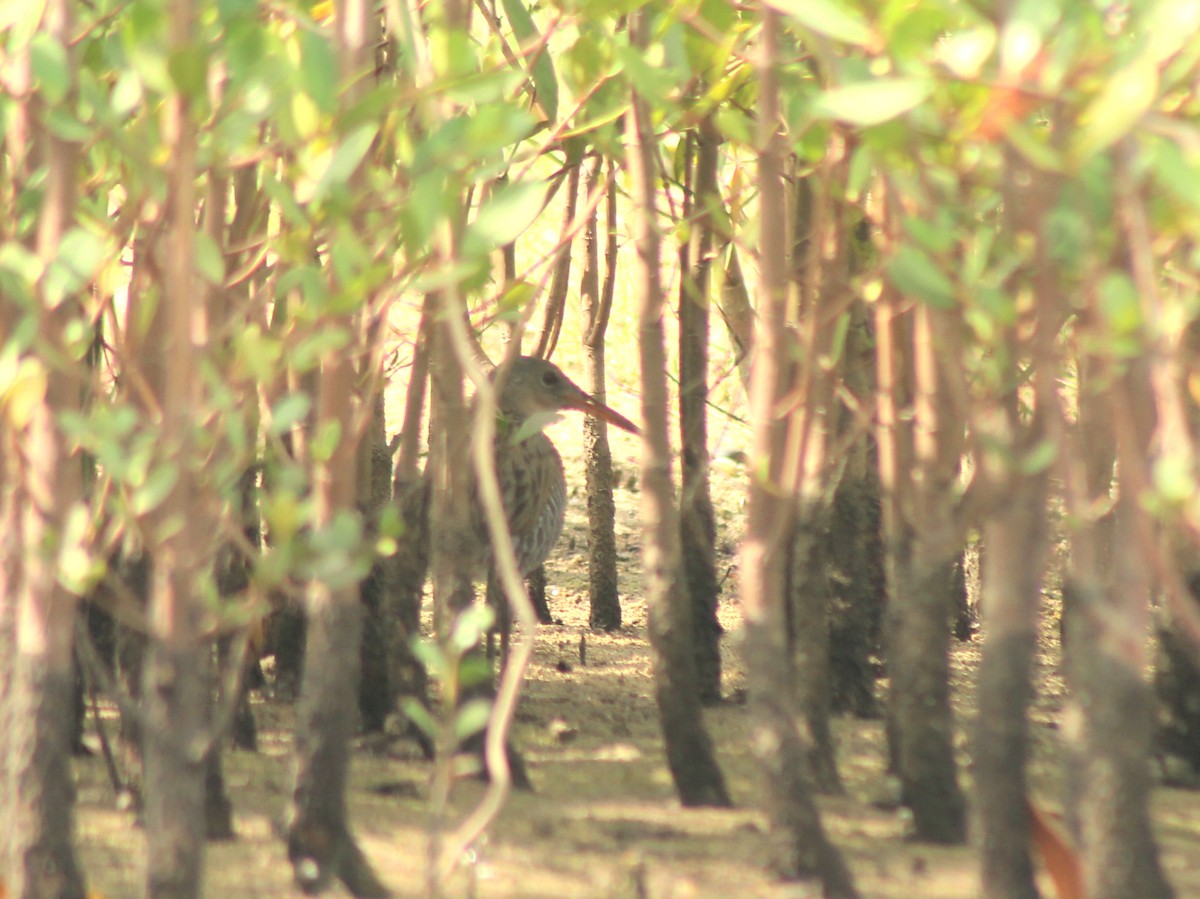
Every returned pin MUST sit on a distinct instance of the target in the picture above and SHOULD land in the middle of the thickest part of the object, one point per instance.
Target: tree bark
(42, 485)
(922, 725)
(1016, 537)
(797, 842)
(320, 844)
(176, 686)
(690, 754)
(698, 528)
(809, 598)
(918, 462)
(603, 596)
(1105, 609)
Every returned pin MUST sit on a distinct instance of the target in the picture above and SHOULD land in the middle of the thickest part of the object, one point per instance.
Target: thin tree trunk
(918, 459)
(690, 754)
(176, 686)
(809, 598)
(1016, 537)
(798, 845)
(38, 796)
(698, 528)
(1114, 705)
(854, 542)
(603, 597)
(320, 845)
(560, 281)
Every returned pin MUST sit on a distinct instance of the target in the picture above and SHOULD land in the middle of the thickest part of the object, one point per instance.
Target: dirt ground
(603, 820)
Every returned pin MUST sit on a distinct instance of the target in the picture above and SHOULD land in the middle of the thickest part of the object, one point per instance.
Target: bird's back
(534, 493)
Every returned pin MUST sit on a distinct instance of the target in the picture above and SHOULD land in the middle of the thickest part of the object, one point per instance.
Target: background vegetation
(952, 247)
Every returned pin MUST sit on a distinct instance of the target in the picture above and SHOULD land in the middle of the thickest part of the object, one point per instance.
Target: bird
(533, 487)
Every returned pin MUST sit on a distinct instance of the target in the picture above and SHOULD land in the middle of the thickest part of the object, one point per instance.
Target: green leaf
(828, 17)
(61, 120)
(1039, 458)
(1174, 477)
(1116, 110)
(318, 73)
(506, 215)
(78, 568)
(545, 81)
(470, 626)
(188, 67)
(326, 439)
(415, 712)
(23, 392)
(51, 67)
(471, 718)
(916, 275)
(1119, 300)
(289, 412)
(345, 159)
(157, 487)
(872, 102)
(210, 261)
(82, 253)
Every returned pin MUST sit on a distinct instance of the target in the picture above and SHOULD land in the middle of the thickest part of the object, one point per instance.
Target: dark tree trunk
(376, 694)
(690, 754)
(285, 640)
(404, 572)
(605, 604)
(1177, 687)
(854, 549)
(320, 844)
(403, 586)
(698, 529)
(1016, 537)
(855, 555)
(808, 633)
(1104, 597)
(375, 691)
(176, 700)
(920, 719)
(40, 815)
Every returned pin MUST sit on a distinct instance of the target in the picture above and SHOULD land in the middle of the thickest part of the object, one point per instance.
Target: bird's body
(533, 486)
(533, 490)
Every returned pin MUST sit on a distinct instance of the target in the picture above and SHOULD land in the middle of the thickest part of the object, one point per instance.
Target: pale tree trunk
(918, 462)
(605, 604)
(560, 281)
(690, 754)
(320, 844)
(43, 486)
(820, 264)
(1016, 537)
(1106, 595)
(698, 528)
(1111, 713)
(176, 688)
(798, 845)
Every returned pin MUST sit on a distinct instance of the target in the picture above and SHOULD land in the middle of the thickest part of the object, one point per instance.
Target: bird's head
(535, 391)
